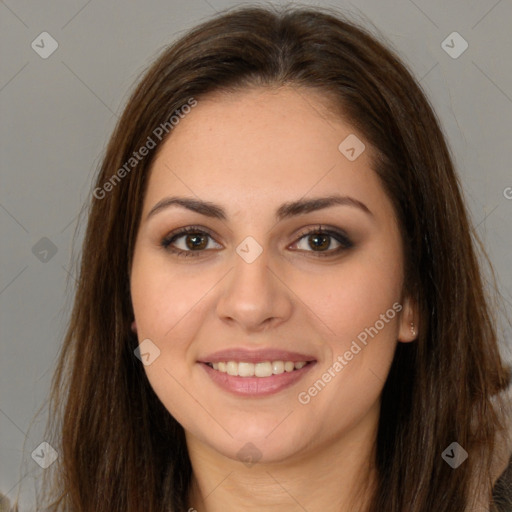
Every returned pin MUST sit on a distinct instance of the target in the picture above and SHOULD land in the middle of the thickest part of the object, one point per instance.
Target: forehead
(262, 145)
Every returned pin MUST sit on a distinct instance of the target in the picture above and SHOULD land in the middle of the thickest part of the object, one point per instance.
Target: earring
(413, 330)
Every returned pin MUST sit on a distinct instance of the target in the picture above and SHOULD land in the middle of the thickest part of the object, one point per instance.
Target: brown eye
(187, 241)
(320, 241)
(196, 241)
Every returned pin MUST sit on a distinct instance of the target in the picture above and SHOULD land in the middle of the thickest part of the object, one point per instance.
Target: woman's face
(255, 287)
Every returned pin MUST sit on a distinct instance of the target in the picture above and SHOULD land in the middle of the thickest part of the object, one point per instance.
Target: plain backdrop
(58, 110)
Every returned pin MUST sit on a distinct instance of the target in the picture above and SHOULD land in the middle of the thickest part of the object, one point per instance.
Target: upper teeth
(263, 369)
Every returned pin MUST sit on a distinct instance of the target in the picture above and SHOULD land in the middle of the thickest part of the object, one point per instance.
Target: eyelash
(339, 236)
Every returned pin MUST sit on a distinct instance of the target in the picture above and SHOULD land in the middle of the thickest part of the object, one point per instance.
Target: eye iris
(320, 241)
(196, 241)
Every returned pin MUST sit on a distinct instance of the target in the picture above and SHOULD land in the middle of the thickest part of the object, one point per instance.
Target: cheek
(359, 308)
(165, 306)
(354, 296)
(361, 311)
(164, 300)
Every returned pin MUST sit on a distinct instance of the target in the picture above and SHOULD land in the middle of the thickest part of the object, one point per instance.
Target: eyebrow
(286, 210)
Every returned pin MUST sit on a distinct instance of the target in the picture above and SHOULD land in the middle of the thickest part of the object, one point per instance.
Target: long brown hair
(120, 449)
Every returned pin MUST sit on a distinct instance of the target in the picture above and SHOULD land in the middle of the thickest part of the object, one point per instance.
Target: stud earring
(413, 330)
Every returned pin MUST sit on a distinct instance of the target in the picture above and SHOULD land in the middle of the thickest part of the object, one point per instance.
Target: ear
(408, 323)
(134, 326)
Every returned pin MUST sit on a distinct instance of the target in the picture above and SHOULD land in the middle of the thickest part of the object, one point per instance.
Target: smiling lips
(256, 373)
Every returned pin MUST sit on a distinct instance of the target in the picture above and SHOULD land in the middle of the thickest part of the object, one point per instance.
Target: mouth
(256, 380)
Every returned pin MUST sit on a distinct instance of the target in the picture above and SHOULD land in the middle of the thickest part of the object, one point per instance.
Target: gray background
(57, 114)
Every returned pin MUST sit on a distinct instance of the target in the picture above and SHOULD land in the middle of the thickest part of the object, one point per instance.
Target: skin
(249, 152)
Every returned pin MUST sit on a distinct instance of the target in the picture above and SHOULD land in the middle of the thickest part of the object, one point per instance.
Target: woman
(279, 303)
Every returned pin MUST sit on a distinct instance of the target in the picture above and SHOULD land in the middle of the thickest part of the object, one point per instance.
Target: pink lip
(255, 356)
(256, 386)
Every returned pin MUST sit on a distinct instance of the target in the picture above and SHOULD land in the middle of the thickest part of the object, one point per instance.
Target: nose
(254, 296)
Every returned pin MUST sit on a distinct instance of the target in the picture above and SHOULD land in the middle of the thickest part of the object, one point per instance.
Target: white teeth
(289, 366)
(232, 368)
(277, 367)
(262, 369)
(245, 369)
